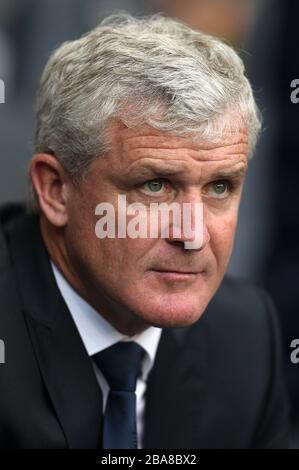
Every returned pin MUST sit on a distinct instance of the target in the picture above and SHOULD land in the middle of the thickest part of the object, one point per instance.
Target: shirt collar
(96, 333)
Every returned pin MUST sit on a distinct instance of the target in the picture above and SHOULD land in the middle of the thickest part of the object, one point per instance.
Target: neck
(123, 320)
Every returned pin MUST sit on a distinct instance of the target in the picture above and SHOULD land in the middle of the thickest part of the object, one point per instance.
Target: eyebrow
(153, 171)
(222, 174)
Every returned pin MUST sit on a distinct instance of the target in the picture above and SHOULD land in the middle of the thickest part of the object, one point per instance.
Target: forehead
(140, 147)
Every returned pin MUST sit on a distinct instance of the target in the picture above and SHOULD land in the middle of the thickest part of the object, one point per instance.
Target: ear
(50, 181)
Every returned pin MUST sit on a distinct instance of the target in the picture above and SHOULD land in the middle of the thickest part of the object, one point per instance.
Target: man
(106, 344)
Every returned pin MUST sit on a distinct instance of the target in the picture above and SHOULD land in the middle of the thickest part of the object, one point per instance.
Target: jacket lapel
(175, 392)
(64, 364)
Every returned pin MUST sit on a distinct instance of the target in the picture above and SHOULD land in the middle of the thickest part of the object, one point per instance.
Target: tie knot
(121, 365)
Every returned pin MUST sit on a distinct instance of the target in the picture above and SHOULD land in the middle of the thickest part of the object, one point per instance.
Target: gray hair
(152, 70)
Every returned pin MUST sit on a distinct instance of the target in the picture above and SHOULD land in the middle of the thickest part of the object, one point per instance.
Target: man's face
(157, 279)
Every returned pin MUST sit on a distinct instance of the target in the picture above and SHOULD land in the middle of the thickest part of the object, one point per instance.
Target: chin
(172, 311)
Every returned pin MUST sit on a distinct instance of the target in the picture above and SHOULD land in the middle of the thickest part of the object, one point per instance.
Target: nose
(189, 230)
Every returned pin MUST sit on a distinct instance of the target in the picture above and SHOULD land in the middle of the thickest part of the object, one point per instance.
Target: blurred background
(265, 34)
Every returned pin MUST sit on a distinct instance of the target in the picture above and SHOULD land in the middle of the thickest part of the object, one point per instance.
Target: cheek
(118, 261)
(222, 234)
(115, 260)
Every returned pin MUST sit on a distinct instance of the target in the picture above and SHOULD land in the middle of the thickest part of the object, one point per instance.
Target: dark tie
(121, 365)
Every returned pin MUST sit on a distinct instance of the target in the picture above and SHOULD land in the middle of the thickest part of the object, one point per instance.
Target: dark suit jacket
(216, 384)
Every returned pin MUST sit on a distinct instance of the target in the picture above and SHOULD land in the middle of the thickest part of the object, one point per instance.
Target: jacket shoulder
(241, 330)
(243, 305)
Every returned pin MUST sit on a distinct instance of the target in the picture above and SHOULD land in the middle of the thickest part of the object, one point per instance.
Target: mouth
(175, 275)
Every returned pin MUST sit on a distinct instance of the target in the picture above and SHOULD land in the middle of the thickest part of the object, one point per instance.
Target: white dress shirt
(97, 334)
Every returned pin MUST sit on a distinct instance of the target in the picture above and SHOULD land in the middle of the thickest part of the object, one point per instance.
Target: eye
(157, 186)
(220, 189)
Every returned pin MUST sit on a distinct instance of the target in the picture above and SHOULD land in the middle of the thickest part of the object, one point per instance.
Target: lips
(175, 271)
(175, 276)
